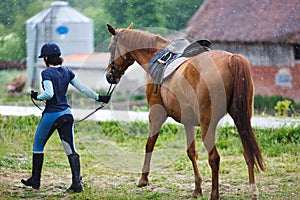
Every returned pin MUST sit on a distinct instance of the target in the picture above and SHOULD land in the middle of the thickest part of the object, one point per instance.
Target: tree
(178, 12)
(117, 10)
(145, 13)
(11, 48)
(8, 11)
(13, 16)
(171, 14)
(142, 13)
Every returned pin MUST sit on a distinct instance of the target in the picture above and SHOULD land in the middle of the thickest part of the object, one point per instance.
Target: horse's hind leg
(157, 116)
(208, 137)
(252, 188)
(250, 146)
(193, 156)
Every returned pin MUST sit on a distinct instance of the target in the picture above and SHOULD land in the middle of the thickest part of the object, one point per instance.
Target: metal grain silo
(59, 23)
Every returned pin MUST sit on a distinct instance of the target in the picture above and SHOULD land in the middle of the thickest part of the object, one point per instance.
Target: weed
(112, 157)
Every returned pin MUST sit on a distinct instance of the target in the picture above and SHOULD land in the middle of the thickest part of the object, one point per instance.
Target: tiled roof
(247, 21)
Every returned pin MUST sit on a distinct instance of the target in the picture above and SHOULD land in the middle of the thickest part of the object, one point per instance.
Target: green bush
(274, 142)
(266, 105)
(282, 108)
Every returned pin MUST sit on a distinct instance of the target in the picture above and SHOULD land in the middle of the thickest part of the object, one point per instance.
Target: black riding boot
(37, 163)
(76, 177)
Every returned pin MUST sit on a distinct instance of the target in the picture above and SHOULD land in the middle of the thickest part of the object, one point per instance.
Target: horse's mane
(139, 39)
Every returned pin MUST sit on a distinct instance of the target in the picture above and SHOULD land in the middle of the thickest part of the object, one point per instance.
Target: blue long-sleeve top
(55, 81)
(48, 90)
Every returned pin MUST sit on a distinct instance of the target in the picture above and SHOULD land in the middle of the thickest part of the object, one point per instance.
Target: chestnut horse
(200, 92)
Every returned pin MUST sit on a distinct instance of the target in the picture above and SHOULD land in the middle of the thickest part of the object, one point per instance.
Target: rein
(109, 93)
(36, 104)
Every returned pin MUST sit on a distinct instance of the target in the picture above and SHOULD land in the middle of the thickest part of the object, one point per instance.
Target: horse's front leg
(157, 116)
(193, 156)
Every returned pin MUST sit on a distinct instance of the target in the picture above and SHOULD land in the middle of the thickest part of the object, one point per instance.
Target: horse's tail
(240, 108)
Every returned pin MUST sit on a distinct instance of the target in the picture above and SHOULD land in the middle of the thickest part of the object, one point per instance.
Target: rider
(57, 115)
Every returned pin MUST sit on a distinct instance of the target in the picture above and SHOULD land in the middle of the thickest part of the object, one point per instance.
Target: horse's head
(120, 58)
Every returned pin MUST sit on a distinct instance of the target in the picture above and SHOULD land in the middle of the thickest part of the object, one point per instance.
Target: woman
(57, 115)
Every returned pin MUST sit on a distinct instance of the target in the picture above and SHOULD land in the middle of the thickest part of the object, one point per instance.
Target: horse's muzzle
(111, 78)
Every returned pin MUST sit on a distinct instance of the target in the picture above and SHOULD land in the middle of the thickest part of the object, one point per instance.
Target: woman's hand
(104, 99)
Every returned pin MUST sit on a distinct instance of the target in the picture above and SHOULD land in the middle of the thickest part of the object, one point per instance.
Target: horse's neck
(143, 57)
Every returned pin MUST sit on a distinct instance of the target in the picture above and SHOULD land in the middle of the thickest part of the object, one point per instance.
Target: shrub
(283, 107)
(266, 104)
(263, 104)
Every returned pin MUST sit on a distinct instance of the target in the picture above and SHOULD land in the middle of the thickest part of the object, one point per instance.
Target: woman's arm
(83, 89)
(48, 91)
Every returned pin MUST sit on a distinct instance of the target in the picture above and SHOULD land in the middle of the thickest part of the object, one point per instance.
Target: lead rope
(109, 93)
(36, 104)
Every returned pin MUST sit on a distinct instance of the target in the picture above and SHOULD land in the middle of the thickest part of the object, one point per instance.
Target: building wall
(274, 68)
(132, 83)
(261, 54)
(267, 83)
(78, 39)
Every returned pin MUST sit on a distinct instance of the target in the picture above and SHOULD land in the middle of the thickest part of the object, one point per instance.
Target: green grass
(112, 156)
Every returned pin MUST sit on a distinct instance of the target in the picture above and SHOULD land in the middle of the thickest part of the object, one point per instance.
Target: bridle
(115, 48)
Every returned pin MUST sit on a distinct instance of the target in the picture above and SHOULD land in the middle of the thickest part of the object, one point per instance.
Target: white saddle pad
(173, 66)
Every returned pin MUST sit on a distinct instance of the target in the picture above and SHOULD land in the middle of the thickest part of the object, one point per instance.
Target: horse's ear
(130, 25)
(111, 29)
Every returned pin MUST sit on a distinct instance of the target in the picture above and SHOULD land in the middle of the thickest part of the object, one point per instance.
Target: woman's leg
(66, 132)
(43, 133)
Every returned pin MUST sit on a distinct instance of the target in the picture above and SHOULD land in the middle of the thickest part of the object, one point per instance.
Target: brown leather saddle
(178, 48)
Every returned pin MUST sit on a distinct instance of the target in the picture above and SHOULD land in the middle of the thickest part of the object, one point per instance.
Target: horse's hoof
(214, 198)
(253, 192)
(196, 194)
(143, 183)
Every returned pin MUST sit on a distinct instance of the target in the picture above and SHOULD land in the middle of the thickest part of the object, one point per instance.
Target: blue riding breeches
(63, 122)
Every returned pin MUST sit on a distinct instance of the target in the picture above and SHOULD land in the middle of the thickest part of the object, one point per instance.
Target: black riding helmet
(50, 49)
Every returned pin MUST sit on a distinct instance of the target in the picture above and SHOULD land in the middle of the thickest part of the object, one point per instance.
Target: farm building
(266, 32)
(91, 70)
(61, 24)
(74, 33)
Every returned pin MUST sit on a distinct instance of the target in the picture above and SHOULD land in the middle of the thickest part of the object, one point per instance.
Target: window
(297, 51)
(283, 77)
